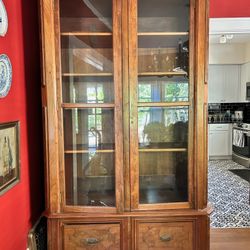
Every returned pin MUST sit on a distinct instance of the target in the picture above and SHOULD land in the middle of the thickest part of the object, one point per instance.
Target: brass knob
(165, 237)
(91, 241)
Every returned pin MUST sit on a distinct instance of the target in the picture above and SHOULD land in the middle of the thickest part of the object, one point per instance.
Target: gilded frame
(9, 155)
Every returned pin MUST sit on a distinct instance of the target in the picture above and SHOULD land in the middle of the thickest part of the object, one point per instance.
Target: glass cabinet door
(89, 102)
(162, 95)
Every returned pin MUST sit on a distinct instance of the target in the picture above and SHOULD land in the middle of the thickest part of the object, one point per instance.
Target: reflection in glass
(80, 57)
(163, 177)
(163, 127)
(89, 156)
(163, 89)
(163, 16)
(163, 54)
(87, 78)
(86, 15)
(88, 129)
(90, 179)
(88, 90)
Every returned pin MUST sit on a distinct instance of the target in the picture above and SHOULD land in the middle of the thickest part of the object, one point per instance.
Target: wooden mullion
(191, 130)
(162, 73)
(163, 33)
(126, 106)
(201, 164)
(87, 74)
(89, 151)
(160, 206)
(163, 104)
(61, 176)
(86, 33)
(87, 105)
(117, 52)
(155, 150)
(133, 72)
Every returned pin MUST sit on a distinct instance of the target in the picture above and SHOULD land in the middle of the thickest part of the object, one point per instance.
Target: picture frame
(9, 155)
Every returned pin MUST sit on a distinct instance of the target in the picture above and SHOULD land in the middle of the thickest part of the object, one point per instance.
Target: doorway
(228, 74)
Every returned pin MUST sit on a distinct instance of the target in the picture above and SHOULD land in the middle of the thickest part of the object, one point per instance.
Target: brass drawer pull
(91, 241)
(165, 237)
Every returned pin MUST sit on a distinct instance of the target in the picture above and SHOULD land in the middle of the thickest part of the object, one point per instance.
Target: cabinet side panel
(49, 101)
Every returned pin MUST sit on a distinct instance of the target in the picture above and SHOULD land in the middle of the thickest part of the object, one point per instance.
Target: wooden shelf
(99, 176)
(87, 105)
(85, 151)
(162, 33)
(156, 150)
(86, 33)
(155, 175)
(87, 74)
(162, 104)
(182, 73)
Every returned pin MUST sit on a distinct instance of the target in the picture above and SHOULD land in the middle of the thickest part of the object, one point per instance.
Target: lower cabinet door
(92, 236)
(164, 235)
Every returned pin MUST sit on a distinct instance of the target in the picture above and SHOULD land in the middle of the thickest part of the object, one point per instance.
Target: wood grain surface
(94, 237)
(161, 236)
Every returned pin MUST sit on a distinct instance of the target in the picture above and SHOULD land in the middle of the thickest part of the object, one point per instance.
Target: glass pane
(89, 129)
(163, 89)
(163, 177)
(87, 55)
(163, 54)
(90, 179)
(163, 148)
(163, 127)
(163, 15)
(88, 90)
(89, 156)
(86, 15)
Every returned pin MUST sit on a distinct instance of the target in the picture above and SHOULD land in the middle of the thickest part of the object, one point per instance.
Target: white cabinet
(220, 141)
(223, 83)
(245, 77)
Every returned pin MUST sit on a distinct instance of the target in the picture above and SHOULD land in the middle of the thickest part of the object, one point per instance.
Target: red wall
(229, 8)
(21, 206)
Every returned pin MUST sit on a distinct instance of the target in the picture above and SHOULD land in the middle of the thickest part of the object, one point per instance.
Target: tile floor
(229, 196)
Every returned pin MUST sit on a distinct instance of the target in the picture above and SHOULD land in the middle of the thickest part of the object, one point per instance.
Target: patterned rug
(228, 195)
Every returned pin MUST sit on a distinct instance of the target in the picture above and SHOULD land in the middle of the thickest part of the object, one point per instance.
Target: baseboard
(221, 157)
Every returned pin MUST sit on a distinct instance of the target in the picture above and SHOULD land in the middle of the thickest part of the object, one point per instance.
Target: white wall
(237, 53)
(227, 53)
(247, 53)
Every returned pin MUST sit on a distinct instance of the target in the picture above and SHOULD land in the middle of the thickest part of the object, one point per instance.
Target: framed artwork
(9, 155)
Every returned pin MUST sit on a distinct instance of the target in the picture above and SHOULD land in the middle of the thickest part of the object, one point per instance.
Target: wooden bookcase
(124, 102)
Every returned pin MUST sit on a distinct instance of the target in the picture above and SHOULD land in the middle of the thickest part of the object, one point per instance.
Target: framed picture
(9, 156)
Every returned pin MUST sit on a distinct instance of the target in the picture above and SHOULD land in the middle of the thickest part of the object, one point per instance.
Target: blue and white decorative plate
(5, 75)
(3, 19)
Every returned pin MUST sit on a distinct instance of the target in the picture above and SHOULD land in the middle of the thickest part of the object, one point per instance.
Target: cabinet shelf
(86, 33)
(156, 150)
(89, 151)
(183, 73)
(99, 176)
(87, 74)
(87, 105)
(162, 33)
(162, 104)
